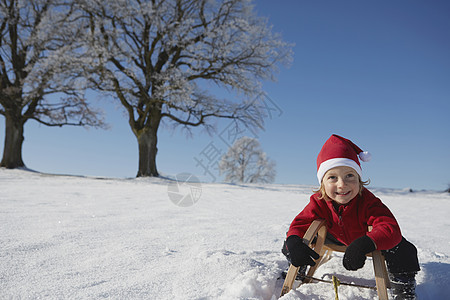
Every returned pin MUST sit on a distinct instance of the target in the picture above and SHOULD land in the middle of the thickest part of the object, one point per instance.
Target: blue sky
(376, 72)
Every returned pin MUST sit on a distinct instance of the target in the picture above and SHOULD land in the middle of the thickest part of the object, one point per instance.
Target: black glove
(299, 253)
(355, 255)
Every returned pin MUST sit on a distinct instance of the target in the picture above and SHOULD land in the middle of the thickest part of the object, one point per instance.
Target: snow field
(76, 237)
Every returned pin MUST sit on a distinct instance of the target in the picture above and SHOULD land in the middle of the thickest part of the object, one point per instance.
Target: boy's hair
(323, 195)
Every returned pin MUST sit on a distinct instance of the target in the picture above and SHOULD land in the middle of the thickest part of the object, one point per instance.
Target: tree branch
(57, 124)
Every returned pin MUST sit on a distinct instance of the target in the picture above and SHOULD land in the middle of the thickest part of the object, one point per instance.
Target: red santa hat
(338, 151)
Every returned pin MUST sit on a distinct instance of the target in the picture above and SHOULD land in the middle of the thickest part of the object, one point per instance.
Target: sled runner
(315, 238)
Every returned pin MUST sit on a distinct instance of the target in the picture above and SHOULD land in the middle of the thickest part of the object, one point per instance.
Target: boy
(349, 208)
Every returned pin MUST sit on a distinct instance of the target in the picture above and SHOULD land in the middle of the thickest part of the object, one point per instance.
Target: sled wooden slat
(321, 235)
(308, 239)
(318, 228)
(381, 276)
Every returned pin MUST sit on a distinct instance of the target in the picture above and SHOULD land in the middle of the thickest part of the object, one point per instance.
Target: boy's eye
(351, 177)
(331, 177)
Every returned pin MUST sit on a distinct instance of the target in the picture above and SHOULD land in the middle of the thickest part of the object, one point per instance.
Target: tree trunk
(12, 151)
(147, 143)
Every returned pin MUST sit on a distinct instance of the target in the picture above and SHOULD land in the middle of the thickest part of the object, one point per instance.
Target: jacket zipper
(341, 224)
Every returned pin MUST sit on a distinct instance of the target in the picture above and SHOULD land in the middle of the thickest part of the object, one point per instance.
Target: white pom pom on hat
(338, 151)
(365, 156)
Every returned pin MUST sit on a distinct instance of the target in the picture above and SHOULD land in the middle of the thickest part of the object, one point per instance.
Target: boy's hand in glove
(299, 252)
(355, 255)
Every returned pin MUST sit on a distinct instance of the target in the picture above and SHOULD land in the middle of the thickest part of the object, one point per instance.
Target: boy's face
(341, 184)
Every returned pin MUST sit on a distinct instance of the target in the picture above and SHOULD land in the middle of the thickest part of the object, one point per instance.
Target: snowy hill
(67, 237)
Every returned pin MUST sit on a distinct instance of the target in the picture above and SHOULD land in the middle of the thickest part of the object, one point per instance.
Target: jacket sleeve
(385, 230)
(303, 220)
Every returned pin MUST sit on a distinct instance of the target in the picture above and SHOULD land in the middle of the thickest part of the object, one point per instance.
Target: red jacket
(351, 221)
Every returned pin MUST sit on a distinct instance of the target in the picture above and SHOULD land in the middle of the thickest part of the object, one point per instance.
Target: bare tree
(38, 70)
(157, 58)
(245, 162)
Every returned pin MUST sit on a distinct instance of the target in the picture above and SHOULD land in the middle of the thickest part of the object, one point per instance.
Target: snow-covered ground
(66, 237)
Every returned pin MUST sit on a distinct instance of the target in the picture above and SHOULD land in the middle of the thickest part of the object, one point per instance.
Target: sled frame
(318, 229)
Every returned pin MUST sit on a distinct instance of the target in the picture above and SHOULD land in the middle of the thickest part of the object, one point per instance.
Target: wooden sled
(318, 228)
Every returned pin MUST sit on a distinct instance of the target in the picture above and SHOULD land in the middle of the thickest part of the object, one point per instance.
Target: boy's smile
(341, 184)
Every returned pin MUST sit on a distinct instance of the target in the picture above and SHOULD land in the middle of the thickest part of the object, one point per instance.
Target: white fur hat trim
(337, 162)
